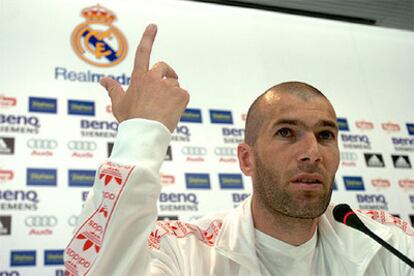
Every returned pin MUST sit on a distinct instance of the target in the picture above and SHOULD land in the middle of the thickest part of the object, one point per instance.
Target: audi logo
(225, 151)
(73, 221)
(194, 151)
(42, 144)
(41, 221)
(349, 156)
(82, 145)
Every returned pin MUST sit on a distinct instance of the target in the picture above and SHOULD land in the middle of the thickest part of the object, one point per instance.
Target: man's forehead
(278, 105)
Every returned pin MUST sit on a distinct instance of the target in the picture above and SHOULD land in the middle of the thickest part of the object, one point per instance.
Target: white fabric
(279, 258)
(219, 244)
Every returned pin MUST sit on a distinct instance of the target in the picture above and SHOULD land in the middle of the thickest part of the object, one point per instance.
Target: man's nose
(309, 151)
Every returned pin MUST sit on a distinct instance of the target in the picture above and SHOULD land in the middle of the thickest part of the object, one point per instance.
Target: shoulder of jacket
(389, 220)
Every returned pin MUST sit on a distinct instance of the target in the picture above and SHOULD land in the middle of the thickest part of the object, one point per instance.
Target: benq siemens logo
(53, 257)
(197, 180)
(342, 124)
(221, 117)
(374, 160)
(86, 108)
(230, 181)
(23, 258)
(42, 105)
(41, 177)
(410, 128)
(354, 183)
(191, 115)
(81, 178)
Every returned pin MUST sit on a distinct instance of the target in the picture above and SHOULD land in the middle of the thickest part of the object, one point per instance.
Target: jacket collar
(236, 239)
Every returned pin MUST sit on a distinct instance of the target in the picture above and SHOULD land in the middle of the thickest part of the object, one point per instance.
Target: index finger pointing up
(143, 52)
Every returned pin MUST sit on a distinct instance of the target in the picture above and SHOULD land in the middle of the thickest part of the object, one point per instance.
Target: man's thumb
(113, 88)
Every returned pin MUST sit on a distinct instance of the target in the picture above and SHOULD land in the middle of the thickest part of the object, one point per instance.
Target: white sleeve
(120, 213)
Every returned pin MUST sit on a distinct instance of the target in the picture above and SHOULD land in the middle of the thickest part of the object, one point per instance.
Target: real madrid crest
(97, 41)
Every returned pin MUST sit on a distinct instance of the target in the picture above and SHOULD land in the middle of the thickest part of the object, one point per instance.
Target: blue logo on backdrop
(53, 257)
(221, 117)
(410, 128)
(81, 178)
(354, 183)
(86, 108)
(41, 177)
(197, 180)
(230, 181)
(23, 258)
(43, 105)
(342, 124)
(191, 115)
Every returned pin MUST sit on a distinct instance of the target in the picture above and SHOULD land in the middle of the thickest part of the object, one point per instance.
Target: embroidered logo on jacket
(386, 218)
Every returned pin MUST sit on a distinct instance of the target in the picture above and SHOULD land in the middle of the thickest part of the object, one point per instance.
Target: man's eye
(326, 135)
(284, 132)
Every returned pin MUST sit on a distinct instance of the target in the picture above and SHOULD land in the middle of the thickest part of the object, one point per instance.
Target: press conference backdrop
(56, 125)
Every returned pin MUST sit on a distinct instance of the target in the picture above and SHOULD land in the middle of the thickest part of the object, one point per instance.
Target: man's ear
(246, 159)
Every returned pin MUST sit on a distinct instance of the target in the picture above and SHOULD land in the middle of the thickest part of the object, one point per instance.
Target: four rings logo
(194, 151)
(82, 145)
(97, 41)
(225, 151)
(42, 144)
(41, 221)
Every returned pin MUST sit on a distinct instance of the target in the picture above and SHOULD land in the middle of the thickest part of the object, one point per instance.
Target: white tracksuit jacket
(118, 233)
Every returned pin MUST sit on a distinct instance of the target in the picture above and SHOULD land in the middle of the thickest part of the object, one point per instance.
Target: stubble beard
(277, 198)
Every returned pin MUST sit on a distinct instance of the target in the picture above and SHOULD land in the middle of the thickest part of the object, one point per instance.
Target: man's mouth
(308, 180)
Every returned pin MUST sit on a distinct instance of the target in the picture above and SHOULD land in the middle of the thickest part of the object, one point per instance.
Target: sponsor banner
(191, 115)
(41, 177)
(403, 144)
(364, 125)
(372, 202)
(391, 127)
(354, 141)
(221, 117)
(53, 257)
(232, 135)
(380, 183)
(40, 221)
(194, 153)
(181, 134)
(342, 124)
(162, 218)
(19, 124)
(231, 181)
(349, 159)
(84, 108)
(18, 200)
(401, 161)
(42, 105)
(406, 184)
(7, 101)
(197, 180)
(6, 175)
(81, 178)
(6, 145)
(374, 160)
(42, 147)
(5, 225)
(23, 258)
(98, 129)
(178, 202)
(410, 128)
(354, 183)
(226, 154)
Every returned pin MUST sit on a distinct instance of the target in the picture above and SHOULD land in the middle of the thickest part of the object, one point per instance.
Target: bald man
(285, 228)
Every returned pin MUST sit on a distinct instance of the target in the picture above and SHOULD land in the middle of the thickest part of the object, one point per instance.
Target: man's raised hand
(153, 94)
